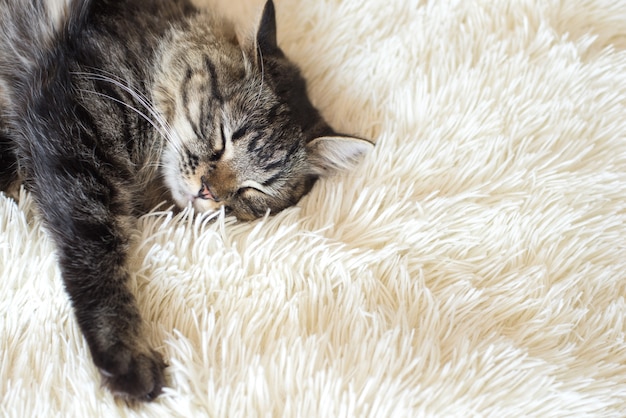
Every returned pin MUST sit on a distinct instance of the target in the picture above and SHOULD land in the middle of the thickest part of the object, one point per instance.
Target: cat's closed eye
(251, 186)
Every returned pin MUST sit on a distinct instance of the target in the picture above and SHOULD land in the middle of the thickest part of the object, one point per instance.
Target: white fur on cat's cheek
(173, 180)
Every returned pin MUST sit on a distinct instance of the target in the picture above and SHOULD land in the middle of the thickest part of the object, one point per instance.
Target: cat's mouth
(203, 201)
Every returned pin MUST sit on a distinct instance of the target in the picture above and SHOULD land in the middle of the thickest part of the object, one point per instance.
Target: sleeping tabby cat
(107, 107)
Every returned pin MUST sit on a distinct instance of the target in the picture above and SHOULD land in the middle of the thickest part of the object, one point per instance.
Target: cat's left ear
(330, 154)
(265, 42)
(266, 34)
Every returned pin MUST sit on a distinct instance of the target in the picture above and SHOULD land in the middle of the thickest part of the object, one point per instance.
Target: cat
(108, 107)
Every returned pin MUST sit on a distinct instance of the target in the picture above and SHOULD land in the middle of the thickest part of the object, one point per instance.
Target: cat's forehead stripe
(193, 112)
(272, 179)
(210, 69)
(253, 142)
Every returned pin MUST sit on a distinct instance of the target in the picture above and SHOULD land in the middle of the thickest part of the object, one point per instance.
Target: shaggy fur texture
(474, 265)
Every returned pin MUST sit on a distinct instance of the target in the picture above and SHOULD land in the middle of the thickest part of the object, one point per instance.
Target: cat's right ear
(330, 154)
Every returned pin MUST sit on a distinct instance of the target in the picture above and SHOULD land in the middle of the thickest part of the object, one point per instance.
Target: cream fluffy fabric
(473, 265)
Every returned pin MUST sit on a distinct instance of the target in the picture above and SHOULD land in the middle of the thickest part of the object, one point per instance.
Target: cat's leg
(85, 200)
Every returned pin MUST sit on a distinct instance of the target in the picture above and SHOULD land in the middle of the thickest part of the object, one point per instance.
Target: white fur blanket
(473, 265)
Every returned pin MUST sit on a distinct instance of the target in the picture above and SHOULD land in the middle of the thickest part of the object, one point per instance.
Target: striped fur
(108, 107)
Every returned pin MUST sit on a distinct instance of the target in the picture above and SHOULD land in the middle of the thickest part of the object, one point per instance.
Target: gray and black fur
(107, 107)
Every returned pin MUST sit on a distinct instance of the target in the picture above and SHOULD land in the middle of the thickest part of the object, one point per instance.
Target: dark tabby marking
(107, 107)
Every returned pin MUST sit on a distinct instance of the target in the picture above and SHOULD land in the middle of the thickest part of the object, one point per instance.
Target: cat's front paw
(134, 375)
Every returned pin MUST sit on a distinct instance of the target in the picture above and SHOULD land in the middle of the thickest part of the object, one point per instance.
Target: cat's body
(109, 107)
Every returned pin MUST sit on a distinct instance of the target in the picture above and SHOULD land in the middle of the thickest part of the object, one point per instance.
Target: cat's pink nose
(205, 192)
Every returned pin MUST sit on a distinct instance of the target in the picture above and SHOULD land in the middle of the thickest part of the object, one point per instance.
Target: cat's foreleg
(86, 207)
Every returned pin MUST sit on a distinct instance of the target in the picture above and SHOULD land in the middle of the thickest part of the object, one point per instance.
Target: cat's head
(244, 133)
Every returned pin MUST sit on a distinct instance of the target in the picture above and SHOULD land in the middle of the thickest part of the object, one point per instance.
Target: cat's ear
(266, 34)
(329, 154)
(264, 44)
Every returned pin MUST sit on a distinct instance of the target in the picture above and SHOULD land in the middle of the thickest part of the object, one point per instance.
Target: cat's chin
(205, 205)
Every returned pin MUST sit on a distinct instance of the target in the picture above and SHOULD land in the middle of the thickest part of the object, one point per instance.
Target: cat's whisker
(164, 127)
(116, 80)
(163, 133)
